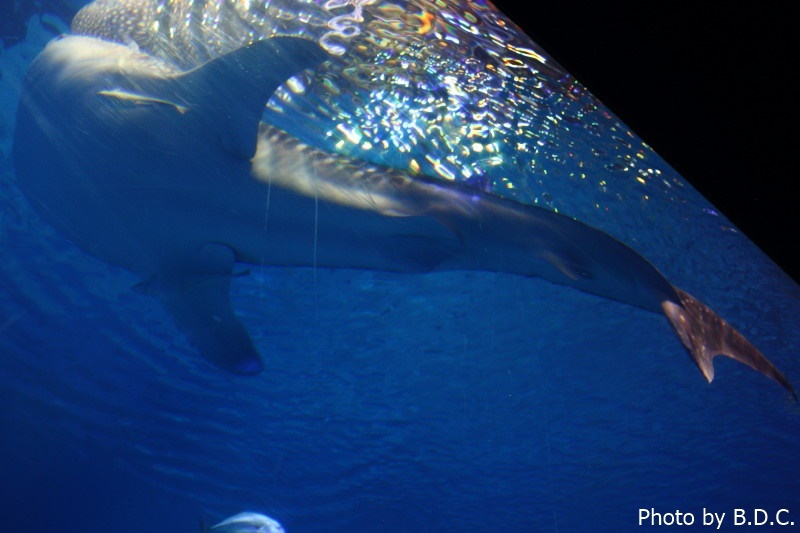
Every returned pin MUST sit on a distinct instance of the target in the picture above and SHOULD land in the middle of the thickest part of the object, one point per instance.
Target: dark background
(709, 88)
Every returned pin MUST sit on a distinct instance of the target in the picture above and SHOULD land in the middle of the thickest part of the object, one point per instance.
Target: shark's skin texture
(171, 174)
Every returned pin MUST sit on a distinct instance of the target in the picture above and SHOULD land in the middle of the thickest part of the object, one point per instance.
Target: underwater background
(440, 402)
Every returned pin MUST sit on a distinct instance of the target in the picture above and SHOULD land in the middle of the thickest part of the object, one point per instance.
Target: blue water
(442, 402)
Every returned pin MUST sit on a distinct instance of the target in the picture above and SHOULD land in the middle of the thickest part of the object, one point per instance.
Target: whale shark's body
(174, 176)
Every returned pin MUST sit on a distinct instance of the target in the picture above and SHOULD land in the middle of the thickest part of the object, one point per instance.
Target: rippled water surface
(440, 402)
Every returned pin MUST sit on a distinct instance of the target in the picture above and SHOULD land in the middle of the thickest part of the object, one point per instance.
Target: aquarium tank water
(403, 375)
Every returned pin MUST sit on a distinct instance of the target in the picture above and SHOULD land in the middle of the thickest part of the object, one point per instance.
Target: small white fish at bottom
(248, 522)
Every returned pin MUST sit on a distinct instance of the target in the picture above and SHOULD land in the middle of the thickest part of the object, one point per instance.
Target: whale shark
(175, 175)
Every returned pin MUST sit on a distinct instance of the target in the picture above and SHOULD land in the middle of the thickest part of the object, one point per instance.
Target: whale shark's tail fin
(706, 335)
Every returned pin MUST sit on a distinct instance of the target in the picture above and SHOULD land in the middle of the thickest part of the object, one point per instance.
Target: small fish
(141, 99)
(248, 522)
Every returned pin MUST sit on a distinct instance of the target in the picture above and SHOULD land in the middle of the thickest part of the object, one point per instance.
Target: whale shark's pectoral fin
(253, 73)
(197, 293)
(706, 335)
